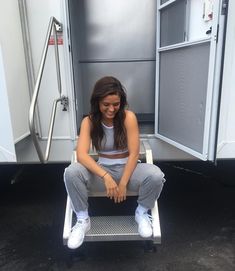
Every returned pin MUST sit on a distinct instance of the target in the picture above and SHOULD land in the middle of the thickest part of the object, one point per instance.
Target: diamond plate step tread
(115, 228)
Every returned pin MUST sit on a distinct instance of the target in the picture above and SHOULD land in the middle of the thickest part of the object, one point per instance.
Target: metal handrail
(52, 26)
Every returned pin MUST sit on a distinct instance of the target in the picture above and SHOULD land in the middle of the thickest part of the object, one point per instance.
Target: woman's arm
(83, 146)
(133, 145)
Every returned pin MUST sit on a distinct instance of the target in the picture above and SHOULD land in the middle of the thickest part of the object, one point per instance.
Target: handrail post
(52, 121)
(51, 26)
(57, 60)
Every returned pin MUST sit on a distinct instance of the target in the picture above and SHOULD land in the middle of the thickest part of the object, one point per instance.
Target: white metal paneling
(7, 148)
(202, 114)
(226, 137)
(15, 69)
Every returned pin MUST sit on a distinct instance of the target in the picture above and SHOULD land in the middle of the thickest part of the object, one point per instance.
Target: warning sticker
(59, 40)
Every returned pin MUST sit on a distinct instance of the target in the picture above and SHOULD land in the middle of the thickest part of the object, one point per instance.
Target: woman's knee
(156, 177)
(72, 172)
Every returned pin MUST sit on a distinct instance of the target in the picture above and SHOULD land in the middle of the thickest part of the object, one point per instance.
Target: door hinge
(65, 103)
(224, 8)
(68, 33)
(76, 105)
(217, 33)
(59, 27)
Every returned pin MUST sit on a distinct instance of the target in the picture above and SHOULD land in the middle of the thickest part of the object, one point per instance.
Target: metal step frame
(114, 228)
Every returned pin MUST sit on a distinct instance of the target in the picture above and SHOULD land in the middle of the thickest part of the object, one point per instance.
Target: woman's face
(109, 106)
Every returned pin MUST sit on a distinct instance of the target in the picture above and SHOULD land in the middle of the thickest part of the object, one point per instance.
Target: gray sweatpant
(147, 180)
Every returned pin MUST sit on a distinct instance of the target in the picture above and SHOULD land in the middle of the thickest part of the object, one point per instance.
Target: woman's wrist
(122, 183)
(106, 172)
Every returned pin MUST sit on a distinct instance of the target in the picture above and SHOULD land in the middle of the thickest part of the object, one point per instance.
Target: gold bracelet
(104, 174)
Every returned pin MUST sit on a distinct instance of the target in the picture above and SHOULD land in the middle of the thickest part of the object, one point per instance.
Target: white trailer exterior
(205, 102)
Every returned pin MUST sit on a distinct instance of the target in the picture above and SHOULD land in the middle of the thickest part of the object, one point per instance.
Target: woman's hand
(111, 186)
(121, 193)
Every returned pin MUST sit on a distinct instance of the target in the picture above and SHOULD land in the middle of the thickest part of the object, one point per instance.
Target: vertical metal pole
(57, 60)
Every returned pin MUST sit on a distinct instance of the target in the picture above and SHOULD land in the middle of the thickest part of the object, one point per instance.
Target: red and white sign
(59, 40)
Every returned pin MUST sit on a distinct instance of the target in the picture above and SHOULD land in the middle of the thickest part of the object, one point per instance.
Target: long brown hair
(108, 85)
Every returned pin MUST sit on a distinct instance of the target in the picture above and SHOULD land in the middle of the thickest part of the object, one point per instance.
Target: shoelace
(149, 217)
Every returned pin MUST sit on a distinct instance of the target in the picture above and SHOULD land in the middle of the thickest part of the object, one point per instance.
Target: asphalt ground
(197, 215)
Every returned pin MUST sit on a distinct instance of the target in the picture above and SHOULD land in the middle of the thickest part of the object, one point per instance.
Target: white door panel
(185, 82)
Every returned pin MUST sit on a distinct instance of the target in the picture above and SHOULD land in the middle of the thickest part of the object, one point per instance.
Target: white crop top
(107, 147)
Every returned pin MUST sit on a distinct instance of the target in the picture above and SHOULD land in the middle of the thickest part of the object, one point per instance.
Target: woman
(113, 131)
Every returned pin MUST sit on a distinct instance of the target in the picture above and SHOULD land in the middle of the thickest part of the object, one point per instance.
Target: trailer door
(187, 61)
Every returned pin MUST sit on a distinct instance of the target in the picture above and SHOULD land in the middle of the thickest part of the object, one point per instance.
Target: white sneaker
(78, 233)
(144, 224)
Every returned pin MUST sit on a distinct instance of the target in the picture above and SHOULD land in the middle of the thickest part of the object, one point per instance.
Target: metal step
(114, 228)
